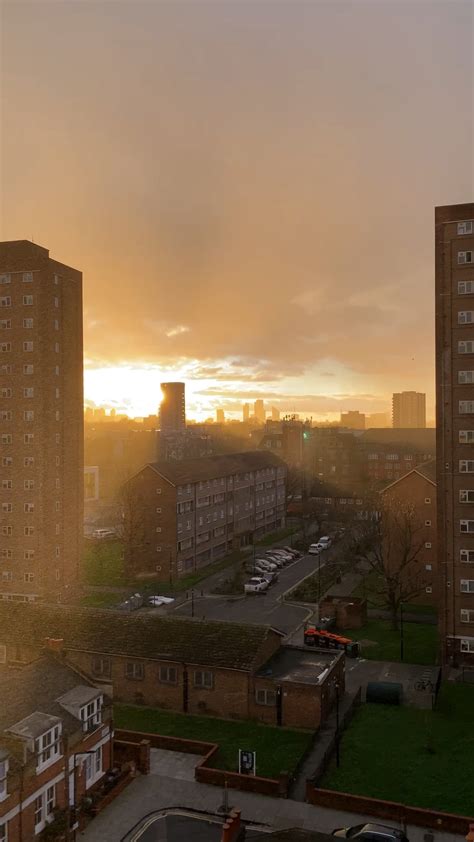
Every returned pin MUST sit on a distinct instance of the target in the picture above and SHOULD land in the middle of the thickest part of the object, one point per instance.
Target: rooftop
(30, 696)
(303, 666)
(211, 643)
(213, 467)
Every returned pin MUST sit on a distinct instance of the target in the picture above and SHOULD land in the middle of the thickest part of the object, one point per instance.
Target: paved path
(146, 795)
(173, 764)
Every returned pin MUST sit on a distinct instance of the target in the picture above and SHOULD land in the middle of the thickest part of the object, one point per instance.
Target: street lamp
(401, 632)
(337, 726)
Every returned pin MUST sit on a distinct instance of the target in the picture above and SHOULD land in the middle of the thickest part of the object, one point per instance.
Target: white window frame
(3, 763)
(265, 696)
(466, 585)
(48, 747)
(464, 556)
(203, 679)
(91, 714)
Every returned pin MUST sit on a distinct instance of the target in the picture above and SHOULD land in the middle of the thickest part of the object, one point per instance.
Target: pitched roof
(212, 467)
(36, 688)
(426, 470)
(209, 643)
(422, 438)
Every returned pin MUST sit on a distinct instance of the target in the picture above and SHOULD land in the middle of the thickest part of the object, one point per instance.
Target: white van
(104, 534)
(325, 541)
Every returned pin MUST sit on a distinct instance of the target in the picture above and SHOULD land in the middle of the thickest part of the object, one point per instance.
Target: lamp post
(401, 632)
(192, 602)
(337, 726)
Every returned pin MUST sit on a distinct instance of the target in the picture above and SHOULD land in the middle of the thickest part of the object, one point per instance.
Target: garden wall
(391, 810)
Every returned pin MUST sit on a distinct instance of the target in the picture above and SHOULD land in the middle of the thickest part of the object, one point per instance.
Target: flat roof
(303, 666)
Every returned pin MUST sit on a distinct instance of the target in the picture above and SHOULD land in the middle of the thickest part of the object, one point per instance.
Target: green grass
(416, 757)
(420, 642)
(367, 589)
(103, 599)
(312, 588)
(278, 749)
(103, 563)
(273, 537)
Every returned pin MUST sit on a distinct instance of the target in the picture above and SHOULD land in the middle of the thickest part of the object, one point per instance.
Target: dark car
(371, 833)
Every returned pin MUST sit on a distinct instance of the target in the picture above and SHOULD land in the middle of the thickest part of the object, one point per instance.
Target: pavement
(147, 795)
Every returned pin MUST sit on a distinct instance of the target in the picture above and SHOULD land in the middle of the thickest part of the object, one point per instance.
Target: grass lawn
(103, 599)
(312, 588)
(367, 589)
(103, 563)
(412, 756)
(278, 749)
(420, 642)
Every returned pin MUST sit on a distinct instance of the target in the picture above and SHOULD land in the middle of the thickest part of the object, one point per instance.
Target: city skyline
(267, 211)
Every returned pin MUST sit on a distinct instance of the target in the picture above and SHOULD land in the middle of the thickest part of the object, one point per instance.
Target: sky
(247, 186)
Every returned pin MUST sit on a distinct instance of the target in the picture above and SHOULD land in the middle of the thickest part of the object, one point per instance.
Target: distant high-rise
(259, 410)
(245, 412)
(220, 416)
(41, 424)
(173, 408)
(378, 419)
(409, 410)
(454, 238)
(275, 413)
(353, 419)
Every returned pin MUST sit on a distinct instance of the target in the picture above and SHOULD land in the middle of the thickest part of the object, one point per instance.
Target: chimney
(232, 828)
(54, 644)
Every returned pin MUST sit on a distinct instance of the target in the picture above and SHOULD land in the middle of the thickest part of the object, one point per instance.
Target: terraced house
(187, 514)
(189, 666)
(55, 745)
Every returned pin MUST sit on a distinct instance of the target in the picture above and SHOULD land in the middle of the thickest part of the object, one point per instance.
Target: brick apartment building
(454, 233)
(417, 488)
(195, 511)
(55, 745)
(189, 666)
(409, 410)
(41, 423)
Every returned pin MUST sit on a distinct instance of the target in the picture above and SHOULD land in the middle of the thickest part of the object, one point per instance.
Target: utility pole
(192, 602)
(337, 725)
(401, 632)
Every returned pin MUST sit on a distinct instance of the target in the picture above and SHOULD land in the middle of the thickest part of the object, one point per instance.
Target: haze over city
(253, 185)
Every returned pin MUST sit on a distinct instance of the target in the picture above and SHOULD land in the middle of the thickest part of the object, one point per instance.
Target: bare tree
(130, 526)
(389, 541)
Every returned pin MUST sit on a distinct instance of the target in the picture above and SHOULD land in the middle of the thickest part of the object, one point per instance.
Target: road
(267, 608)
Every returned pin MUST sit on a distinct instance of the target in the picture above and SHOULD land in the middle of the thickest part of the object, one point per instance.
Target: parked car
(257, 569)
(284, 554)
(295, 553)
(271, 576)
(314, 549)
(104, 534)
(256, 584)
(277, 560)
(371, 833)
(325, 541)
(268, 563)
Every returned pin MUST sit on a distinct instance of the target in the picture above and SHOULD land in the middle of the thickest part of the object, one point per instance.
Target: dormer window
(48, 747)
(91, 714)
(3, 779)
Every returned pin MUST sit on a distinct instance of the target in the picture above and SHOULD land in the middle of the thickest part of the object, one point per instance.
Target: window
(467, 645)
(7, 508)
(465, 257)
(91, 714)
(466, 585)
(7, 484)
(56, 301)
(466, 556)
(467, 615)
(7, 438)
(57, 506)
(465, 227)
(265, 697)
(56, 324)
(56, 392)
(465, 376)
(168, 675)
(427, 499)
(6, 393)
(28, 554)
(466, 436)
(48, 747)
(57, 552)
(429, 589)
(27, 300)
(56, 370)
(466, 496)
(39, 814)
(185, 544)
(158, 490)
(158, 529)
(466, 407)
(465, 346)
(427, 523)
(5, 279)
(28, 347)
(7, 530)
(56, 279)
(50, 800)
(5, 347)
(428, 567)
(465, 287)
(203, 678)
(3, 832)
(465, 317)
(428, 545)
(28, 369)
(134, 670)
(27, 277)
(6, 368)
(467, 525)
(28, 531)
(29, 392)
(6, 415)
(28, 324)
(5, 553)
(28, 415)
(3, 770)
(466, 466)
(101, 666)
(28, 461)
(5, 324)
(5, 301)
(28, 508)
(28, 577)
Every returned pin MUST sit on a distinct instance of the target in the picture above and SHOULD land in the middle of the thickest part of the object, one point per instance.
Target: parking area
(267, 607)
